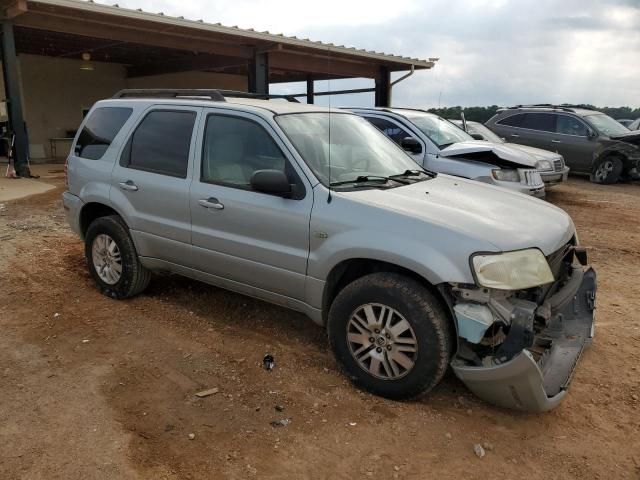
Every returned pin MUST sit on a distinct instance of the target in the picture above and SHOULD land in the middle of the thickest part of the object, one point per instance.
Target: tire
(430, 328)
(133, 278)
(607, 170)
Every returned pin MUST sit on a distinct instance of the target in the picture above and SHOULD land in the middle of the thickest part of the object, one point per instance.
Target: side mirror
(477, 136)
(274, 182)
(592, 134)
(411, 145)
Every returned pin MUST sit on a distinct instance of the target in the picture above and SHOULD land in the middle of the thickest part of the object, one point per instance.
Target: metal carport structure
(151, 44)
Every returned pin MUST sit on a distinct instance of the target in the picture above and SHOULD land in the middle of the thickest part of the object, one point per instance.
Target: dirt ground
(94, 388)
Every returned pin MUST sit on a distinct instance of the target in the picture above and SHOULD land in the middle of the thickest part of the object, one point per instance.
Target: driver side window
(234, 148)
(390, 129)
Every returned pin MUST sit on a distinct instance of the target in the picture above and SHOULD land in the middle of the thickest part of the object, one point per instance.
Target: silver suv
(438, 145)
(590, 141)
(316, 210)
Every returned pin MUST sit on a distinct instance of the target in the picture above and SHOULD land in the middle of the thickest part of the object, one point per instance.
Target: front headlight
(506, 175)
(544, 165)
(512, 270)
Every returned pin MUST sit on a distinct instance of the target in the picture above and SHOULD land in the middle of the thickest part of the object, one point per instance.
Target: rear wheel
(391, 335)
(112, 259)
(607, 170)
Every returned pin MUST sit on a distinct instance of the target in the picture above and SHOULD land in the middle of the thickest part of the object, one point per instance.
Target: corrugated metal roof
(160, 17)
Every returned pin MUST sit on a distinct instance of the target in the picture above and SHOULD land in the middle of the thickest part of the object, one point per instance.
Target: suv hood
(507, 220)
(631, 137)
(492, 152)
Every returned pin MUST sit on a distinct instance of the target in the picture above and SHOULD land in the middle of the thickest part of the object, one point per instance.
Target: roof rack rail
(566, 107)
(212, 94)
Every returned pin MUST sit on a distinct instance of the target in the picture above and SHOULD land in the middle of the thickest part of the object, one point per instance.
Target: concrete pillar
(383, 88)
(259, 73)
(14, 97)
(310, 92)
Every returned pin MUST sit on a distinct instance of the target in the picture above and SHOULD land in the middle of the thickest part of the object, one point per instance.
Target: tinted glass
(543, 122)
(161, 143)
(234, 148)
(100, 130)
(567, 125)
(391, 130)
(512, 121)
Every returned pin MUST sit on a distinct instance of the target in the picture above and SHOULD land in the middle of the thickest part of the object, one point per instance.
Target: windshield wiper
(414, 173)
(369, 178)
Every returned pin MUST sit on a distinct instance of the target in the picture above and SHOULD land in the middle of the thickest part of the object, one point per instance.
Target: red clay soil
(95, 388)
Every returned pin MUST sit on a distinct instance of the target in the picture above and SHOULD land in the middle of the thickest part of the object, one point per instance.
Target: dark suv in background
(590, 141)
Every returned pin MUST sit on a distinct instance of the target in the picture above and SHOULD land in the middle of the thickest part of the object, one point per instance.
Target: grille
(558, 165)
(531, 178)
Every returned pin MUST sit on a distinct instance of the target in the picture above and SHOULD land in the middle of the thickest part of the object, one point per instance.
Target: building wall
(55, 91)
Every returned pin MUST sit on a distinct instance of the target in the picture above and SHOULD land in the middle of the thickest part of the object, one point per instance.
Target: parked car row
(590, 141)
(411, 271)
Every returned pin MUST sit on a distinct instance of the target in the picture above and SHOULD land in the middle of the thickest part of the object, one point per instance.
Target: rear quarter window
(511, 120)
(101, 128)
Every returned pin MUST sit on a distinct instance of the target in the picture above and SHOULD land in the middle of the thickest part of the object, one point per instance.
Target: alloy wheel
(382, 341)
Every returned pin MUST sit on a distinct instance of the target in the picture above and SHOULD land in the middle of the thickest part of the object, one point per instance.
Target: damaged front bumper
(536, 378)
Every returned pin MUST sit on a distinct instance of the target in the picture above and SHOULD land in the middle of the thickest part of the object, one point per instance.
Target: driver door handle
(515, 135)
(211, 202)
(556, 141)
(129, 186)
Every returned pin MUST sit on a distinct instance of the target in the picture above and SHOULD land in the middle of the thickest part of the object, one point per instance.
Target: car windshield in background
(488, 135)
(607, 125)
(440, 131)
(358, 151)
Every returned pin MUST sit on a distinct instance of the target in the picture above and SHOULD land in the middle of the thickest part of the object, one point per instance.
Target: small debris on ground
(448, 435)
(478, 450)
(281, 423)
(168, 427)
(56, 315)
(352, 424)
(206, 393)
(268, 362)
(279, 408)
(86, 340)
(488, 446)
(192, 436)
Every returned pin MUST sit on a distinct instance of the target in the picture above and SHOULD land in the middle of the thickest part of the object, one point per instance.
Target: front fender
(418, 256)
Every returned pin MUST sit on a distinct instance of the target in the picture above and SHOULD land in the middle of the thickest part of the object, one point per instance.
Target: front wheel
(112, 259)
(391, 335)
(607, 170)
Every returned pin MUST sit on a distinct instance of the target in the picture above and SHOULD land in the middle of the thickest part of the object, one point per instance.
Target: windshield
(606, 125)
(440, 131)
(489, 136)
(356, 148)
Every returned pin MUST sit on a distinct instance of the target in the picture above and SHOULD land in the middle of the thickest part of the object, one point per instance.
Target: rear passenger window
(512, 121)
(234, 148)
(567, 125)
(390, 129)
(100, 130)
(161, 143)
(544, 122)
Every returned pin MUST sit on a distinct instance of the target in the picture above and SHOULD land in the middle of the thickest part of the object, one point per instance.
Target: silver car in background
(440, 146)
(550, 164)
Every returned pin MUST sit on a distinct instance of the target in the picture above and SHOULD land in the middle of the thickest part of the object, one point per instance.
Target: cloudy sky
(491, 51)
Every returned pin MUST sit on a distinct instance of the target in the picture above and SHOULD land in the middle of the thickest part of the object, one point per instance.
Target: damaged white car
(440, 146)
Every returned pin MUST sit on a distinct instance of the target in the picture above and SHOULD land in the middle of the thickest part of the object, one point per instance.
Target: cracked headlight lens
(544, 165)
(512, 270)
(506, 175)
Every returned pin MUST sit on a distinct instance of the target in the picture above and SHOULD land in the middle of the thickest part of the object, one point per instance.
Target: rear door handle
(211, 203)
(556, 141)
(129, 186)
(515, 135)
